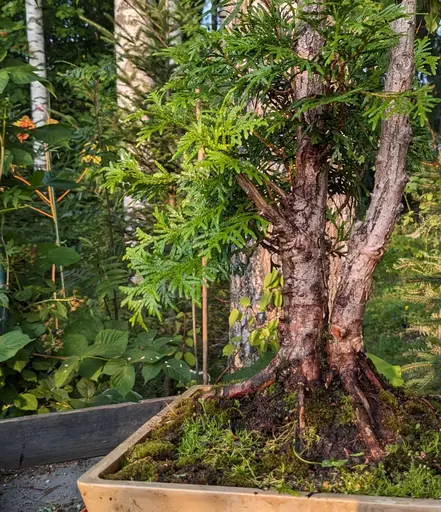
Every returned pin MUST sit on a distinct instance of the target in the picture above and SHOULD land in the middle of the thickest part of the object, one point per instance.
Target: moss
(156, 449)
(345, 412)
(319, 410)
(285, 462)
(389, 399)
(290, 401)
(143, 470)
(171, 426)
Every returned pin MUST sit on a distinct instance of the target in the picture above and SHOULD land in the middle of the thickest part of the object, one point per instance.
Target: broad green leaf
(74, 345)
(19, 361)
(21, 157)
(265, 300)
(91, 369)
(26, 402)
(228, 349)
(53, 134)
(4, 80)
(189, 358)
(4, 300)
(11, 343)
(255, 337)
(88, 327)
(109, 343)
(86, 388)
(189, 342)
(66, 371)
(278, 298)
(255, 368)
(245, 302)
(150, 371)
(28, 375)
(124, 379)
(63, 256)
(114, 366)
(177, 370)
(390, 371)
(145, 338)
(234, 315)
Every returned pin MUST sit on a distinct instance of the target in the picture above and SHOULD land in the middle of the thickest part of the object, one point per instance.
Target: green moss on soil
(253, 442)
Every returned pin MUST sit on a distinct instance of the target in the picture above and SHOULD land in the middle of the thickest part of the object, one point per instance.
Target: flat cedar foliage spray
(298, 102)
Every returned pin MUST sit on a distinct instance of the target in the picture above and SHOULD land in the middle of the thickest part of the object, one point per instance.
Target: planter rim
(92, 478)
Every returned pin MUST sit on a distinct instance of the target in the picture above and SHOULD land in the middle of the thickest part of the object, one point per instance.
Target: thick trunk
(302, 235)
(37, 58)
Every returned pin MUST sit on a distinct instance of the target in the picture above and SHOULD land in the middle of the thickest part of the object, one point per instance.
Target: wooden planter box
(71, 435)
(118, 496)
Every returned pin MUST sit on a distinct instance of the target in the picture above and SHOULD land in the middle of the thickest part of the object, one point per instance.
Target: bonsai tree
(287, 106)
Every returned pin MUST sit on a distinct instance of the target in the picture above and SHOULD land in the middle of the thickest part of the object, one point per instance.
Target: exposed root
(365, 421)
(368, 372)
(354, 383)
(256, 383)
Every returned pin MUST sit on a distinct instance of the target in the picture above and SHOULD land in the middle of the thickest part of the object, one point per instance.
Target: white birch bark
(37, 58)
(132, 83)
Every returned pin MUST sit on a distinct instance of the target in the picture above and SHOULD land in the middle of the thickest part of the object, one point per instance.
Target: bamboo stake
(204, 286)
(195, 338)
(204, 329)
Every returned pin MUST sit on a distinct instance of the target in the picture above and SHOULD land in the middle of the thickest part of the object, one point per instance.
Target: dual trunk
(321, 327)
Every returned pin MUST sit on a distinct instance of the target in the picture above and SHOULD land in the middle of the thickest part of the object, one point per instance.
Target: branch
(256, 197)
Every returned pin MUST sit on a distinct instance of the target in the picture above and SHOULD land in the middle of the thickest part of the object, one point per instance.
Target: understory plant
(284, 108)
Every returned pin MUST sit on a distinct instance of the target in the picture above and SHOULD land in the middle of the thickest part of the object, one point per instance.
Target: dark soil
(256, 442)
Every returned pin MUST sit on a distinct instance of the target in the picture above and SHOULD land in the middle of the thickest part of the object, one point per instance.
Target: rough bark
(302, 232)
(341, 209)
(300, 226)
(37, 58)
(368, 239)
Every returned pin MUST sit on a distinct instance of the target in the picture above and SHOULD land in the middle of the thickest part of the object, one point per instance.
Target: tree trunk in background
(247, 276)
(337, 231)
(131, 84)
(37, 58)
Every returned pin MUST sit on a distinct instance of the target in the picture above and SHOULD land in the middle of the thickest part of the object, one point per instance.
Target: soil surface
(264, 441)
(49, 488)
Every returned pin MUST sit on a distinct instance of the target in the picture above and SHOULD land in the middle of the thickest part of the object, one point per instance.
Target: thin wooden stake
(204, 329)
(204, 286)
(195, 339)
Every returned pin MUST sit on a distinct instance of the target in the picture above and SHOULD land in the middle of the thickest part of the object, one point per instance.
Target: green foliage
(263, 333)
(252, 63)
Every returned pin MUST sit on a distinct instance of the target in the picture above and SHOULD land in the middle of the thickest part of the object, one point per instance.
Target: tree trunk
(37, 58)
(299, 223)
(131, 84)
(247, 278)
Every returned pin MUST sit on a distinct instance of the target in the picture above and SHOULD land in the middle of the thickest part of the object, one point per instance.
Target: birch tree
(37, 58)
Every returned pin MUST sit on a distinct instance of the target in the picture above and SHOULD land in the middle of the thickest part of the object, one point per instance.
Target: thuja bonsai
(288, 107)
